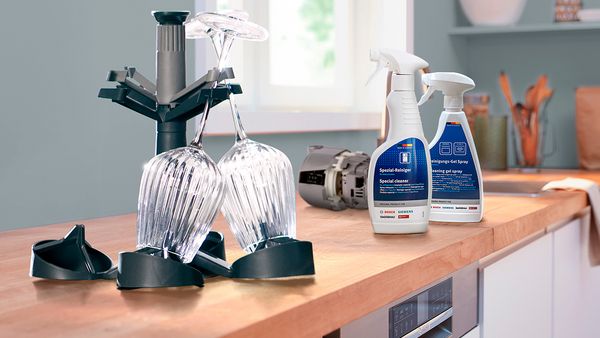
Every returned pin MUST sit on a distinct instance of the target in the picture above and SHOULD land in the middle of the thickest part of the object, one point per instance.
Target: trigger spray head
(374, 56)
(453, 85)
(403, 66)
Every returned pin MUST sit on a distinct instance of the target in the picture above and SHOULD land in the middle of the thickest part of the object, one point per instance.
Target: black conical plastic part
(145, 268)
(292, 258)
(70, 258)
(286, 257)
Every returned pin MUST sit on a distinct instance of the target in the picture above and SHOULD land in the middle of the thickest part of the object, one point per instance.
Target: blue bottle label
(400, 177)
(455, 185)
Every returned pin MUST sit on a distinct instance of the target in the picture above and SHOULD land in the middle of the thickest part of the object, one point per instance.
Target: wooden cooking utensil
(526, 116)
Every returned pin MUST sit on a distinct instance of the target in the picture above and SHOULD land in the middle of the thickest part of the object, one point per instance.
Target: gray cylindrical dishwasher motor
(334, 178)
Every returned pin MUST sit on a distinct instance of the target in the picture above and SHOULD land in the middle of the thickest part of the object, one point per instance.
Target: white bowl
(493, 12)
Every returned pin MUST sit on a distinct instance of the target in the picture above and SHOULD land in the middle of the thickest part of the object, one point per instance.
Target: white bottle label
(455, 185)
(400, 184)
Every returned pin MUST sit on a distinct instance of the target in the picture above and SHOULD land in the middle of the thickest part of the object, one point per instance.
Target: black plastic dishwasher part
(147, 268)
(70, 258)
(282, 257)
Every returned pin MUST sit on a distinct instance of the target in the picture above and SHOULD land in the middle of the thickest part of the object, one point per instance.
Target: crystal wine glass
(180, 194)
(259, 201)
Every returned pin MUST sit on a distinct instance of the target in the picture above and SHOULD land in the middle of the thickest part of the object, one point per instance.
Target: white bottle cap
(403, 82)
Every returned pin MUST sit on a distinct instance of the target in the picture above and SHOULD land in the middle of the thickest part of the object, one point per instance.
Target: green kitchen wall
(570, 58)
(66, 154)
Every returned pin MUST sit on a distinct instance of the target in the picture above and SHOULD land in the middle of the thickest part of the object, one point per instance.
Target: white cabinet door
(576, 284)
(568, 294)
(516, 293)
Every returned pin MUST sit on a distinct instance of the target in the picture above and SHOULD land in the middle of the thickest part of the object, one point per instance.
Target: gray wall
(569, 58)
(65, 153)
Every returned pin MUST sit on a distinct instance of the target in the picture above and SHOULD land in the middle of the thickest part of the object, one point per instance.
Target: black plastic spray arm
(130, 99)
(194, 104)
(135, 96)
(205, 82)
(142, 80)
(125, 97)
(139, 94)
(141, 85)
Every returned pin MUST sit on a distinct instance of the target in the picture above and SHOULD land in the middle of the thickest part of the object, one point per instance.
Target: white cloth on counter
(593, 192)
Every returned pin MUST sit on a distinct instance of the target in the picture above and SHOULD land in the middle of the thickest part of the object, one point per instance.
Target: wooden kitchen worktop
(357, 272)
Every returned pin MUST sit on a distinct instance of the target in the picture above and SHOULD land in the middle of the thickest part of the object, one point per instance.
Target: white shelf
(472, 31)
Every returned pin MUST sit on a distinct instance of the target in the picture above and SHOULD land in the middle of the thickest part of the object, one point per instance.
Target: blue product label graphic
(401, 173)
(454, 175)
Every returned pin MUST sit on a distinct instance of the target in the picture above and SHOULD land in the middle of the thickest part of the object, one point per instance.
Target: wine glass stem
(240, 134)
(226, 42)
(221, 44)
(197, 141)
(217, 42)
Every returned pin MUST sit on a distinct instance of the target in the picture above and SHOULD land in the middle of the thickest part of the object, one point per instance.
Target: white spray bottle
(399, 181)
(457, 184)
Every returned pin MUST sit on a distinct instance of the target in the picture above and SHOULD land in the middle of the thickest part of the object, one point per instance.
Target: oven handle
(429, 325)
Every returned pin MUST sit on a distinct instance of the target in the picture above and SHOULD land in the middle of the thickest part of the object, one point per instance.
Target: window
(308, 56)
(316, 60)
(303, 51)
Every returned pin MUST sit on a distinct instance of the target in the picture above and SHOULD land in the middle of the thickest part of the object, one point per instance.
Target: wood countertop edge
(507, 234)
(485, 243)
(345, 300)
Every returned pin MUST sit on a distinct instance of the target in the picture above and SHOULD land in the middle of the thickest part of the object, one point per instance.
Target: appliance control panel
(419, 309)
(445, 308)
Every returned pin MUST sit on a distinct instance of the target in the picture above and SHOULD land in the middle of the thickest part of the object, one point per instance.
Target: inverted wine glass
(259, 202)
